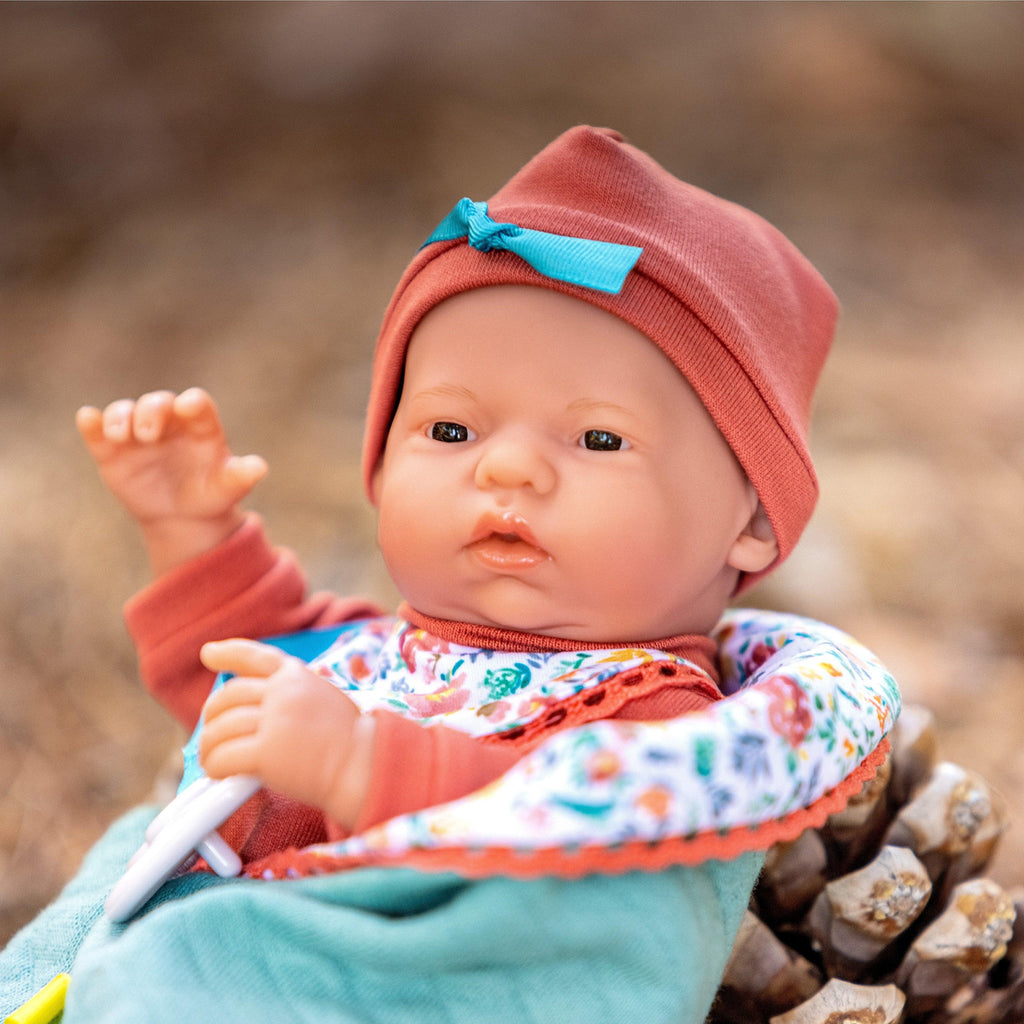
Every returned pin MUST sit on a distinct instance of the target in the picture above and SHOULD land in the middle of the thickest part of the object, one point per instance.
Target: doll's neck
(699, 649)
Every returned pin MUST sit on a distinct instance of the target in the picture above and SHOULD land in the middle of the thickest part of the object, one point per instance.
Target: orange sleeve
(416, 767)
(243, 587)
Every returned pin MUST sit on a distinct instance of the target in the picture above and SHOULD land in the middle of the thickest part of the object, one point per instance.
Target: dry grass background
(225, 194)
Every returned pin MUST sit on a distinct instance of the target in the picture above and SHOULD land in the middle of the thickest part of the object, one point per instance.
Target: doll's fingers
(243, 720)
(150, 415)
(89, 421)
(117, 420)
(239, 756)
(198, 410)
(238, 692)
(243, 472)
(242, 657)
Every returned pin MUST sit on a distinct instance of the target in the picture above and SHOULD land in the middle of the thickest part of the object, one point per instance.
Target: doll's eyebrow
(597, 405)
(445, 391)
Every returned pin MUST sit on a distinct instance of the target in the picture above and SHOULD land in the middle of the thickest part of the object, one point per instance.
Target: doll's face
(549, 470)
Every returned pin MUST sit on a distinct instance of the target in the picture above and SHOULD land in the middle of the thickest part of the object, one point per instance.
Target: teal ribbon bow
(602, 266)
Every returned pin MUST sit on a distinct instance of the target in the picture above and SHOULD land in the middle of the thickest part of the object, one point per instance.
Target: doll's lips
(506, 543)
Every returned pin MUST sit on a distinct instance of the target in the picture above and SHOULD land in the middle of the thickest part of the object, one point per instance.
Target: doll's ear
(756, 547)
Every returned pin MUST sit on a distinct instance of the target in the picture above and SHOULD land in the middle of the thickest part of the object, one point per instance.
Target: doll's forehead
(496, 325)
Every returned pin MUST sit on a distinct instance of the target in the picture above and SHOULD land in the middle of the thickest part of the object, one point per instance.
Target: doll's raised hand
(279, 721)
(166, 459)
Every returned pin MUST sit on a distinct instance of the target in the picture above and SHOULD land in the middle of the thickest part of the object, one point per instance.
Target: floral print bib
(803, 726)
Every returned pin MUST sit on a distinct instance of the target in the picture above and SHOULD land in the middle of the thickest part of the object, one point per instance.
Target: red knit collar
(701, 650)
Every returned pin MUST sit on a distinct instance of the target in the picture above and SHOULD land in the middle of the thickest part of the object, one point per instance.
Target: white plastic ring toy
(186, 826)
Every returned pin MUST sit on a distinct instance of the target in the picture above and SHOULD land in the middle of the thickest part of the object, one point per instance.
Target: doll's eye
(603, 441)
(450, 433)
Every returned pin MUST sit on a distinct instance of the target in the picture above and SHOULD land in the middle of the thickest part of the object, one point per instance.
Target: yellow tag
(44, 1005)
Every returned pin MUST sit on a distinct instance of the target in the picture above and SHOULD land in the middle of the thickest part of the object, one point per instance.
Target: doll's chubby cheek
(375, 484)
(396, 545)
(413, 556)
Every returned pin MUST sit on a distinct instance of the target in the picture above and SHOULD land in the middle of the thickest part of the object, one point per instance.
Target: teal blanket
(386, 945)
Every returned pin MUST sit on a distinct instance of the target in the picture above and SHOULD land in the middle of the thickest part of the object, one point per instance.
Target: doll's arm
(279, 721)
(166, 459)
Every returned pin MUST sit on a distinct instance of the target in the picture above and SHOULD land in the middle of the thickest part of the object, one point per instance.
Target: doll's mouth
(505, 543)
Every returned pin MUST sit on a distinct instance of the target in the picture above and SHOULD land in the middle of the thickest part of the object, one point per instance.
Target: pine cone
(881, 916)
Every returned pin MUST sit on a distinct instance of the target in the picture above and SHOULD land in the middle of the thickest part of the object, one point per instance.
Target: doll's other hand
(166, 459)
(281, 722)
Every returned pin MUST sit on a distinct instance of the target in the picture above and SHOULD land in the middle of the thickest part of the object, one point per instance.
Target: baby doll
(586, 433)
(538, 465)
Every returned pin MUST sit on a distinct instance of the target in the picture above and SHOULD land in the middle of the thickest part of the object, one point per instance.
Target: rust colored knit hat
(739, 310)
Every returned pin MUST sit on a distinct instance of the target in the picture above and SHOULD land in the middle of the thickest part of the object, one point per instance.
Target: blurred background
(225, 195)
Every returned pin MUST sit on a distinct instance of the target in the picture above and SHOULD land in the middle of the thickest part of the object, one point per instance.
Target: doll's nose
(513, 462)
